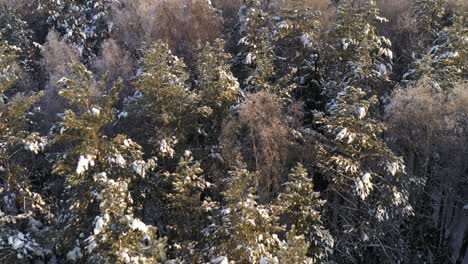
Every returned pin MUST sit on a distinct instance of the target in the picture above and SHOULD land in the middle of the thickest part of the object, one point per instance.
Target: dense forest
(234, 131)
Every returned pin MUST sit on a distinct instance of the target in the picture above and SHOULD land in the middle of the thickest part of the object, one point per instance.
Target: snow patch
(248, 59)
(84, 163)
(305, 39)
(74, 254)
(139, 167)
(123, 115)
(220, 260)
(96, 111)
(100, 223)
(137, 224)
(165, 149)
(363, 185)
(342, 134)
(362, 112)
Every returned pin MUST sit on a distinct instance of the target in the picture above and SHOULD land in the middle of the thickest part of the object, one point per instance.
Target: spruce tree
(189, 210)
(163, 110)
(297, 43)
(215, 85)
(294, 250)
(365, 184)
(21, 205)
(446, 62)
(302, 206)
(430, 16)
(256, 55)
(359, 55)
(18, 32)
(246, 232)
(82, 23)
(98, 221)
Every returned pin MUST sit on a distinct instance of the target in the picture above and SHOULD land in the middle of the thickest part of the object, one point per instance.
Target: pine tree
(295, 249)
(20, 203)
(359, 56)
(82, 23)
(215, 85)
(430, 15)
(256, 56)
(190, 211)
(364, 175)
(246, 233)
(446, 62)
(298, 47)
(100, 173)
(301, 206)
(163, 110)
(365, 184)
(19, 33)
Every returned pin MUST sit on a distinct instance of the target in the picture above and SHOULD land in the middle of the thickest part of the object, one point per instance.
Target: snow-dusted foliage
(359, 54)
(255, 50)
(357, 177)
(99, 172)
(446, 61)
(302, 206)
(216, 85)
(266, 132)
(19, 202)
(248, 231)
(166, 103)
(19, 34)
(84, 24)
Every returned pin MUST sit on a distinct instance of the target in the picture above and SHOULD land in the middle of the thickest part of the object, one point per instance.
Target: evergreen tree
(82, 23)
(190, 211)
(100, 174)
(294, 250)
(446, 62)
(20, 203)
(430, 15)
(256, 56)
(298, 47)
(215, 85)
(301, 206)
(163, 109)
(19, 33)
(246, 233)
(365, 184)
(359, 55)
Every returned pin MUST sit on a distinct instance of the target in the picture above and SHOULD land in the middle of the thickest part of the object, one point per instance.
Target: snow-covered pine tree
(430, 15)
(294, 250)
(16, 30)
(84, 24)
(98, 221)
(189, 209)
(215, 85)
(446, 63)
(301, 206)
(297, 45)
(163, 109)
(255, 59)
(246, 230)
(363, 173)
(366, 196)
(359, 56)
(20, 205)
